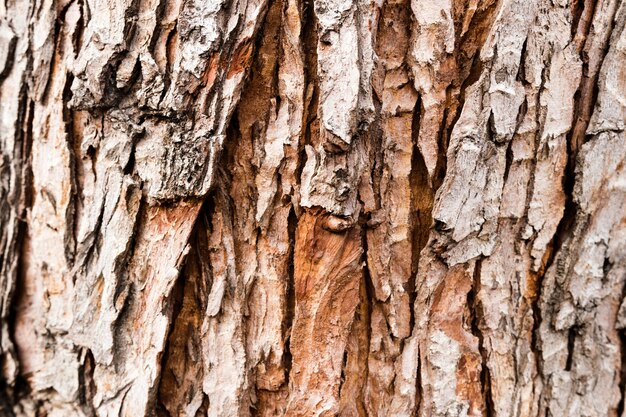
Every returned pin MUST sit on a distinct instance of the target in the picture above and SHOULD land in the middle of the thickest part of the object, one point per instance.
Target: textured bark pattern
(312, 208)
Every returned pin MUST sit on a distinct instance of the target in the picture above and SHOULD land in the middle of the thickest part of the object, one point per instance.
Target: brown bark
(312, 208)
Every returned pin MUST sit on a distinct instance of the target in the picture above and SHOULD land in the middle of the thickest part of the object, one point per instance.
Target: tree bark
(312, 208)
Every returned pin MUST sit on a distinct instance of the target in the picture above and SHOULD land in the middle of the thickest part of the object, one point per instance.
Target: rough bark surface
(312, 208)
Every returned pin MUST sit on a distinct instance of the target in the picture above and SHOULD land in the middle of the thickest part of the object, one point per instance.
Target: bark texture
(312, 208)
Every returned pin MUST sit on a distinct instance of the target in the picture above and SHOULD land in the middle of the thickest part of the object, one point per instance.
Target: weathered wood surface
(312, 208)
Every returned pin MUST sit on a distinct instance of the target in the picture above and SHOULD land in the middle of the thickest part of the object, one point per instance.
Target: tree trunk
(312, 208)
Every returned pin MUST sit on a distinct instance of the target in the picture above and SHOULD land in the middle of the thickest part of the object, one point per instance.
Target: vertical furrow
(387, 198)
(328, 249)
(491, 221)
(247, 299)
(120, 169)
(581, 292)
(180, 394)
(15, 139)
